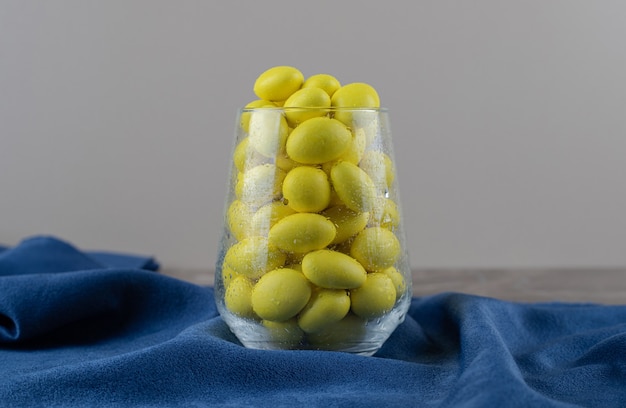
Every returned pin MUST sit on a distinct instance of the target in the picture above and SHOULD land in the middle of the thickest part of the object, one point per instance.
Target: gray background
(509, 124)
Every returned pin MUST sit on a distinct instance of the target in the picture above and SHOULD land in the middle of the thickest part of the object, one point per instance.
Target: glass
(313, 252)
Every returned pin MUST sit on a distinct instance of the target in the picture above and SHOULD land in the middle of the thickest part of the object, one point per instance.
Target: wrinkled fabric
(87, 329)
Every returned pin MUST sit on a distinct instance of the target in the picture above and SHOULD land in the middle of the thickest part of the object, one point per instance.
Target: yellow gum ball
(348, 222)
(353, 186)
(268, 131)
(268, 215)
(348, 332)
(318, 140)
(280, 294)
(278, 83)
(302, 232)
(355, 95)
(379, 167)
(285, 163)
(287, 334)
(374, 298)
(306, 189)
(398, 280)
(376, 248)
(253, 257)
(227, 275)
(245, 115)
(325, 307)
(366, 123)
(306, 104)
(238, 297)
(238, 219)
(260, 184)
(246, 157)
(333, 270)
(328, 83)
(353, 154)
(385, 214)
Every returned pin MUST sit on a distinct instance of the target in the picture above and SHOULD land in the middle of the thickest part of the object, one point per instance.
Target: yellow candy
(353, 186)
(286, 334)
(332, 270)
(306, 189)
(318, 140)
(285, 163)
(375, 248)
(346, 333)
(355, 95)
(238, 297)
(347, 222)
(241, 154)
(353, 154)
(302, 232)
(253, 257)
(314, 101)
(328, 83)
(374, 298)
(278, 83)
(380, 169)
(245, 116)
(268, 131)
(238, 219)
(325, 307)
(245, 157)
(268, 215)
(398, 281)
(366, 124)
(228, 275)
(260, 184)
(280, 294)
(385, 214)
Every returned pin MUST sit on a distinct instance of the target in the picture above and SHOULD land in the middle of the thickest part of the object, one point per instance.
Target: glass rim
(313, 109)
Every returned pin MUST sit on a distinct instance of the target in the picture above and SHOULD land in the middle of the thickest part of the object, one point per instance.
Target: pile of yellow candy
(312, 225)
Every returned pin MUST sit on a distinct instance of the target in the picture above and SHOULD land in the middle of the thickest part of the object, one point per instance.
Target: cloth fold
(87, 329)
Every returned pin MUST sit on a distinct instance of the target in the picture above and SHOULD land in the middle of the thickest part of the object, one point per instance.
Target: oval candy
(280, 294)
(278, 83)
(353, 186)
(306, 189)
(333, 270)
(254, 256)
(376, 248)
(302, 232)
(318, 140)
(325, 307)
(374, 298)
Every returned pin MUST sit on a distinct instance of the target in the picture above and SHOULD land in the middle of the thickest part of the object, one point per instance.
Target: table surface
(594, 285)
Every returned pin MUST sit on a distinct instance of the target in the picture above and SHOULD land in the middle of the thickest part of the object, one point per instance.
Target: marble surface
(595, 285)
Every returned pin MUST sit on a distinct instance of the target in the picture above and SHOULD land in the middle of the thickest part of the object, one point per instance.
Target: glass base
(352, 335)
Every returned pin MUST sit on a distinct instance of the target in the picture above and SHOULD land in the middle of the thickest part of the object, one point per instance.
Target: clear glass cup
(313, 251)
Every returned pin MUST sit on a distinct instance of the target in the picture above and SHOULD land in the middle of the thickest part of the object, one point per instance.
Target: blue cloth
(78, 331)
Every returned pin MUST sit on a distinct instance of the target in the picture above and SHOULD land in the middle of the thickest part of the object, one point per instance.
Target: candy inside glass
(313, 253)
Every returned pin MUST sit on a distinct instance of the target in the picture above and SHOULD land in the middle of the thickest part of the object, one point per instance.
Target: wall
(509, 119)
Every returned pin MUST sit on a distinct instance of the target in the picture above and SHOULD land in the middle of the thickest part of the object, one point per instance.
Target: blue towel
(83, 329)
